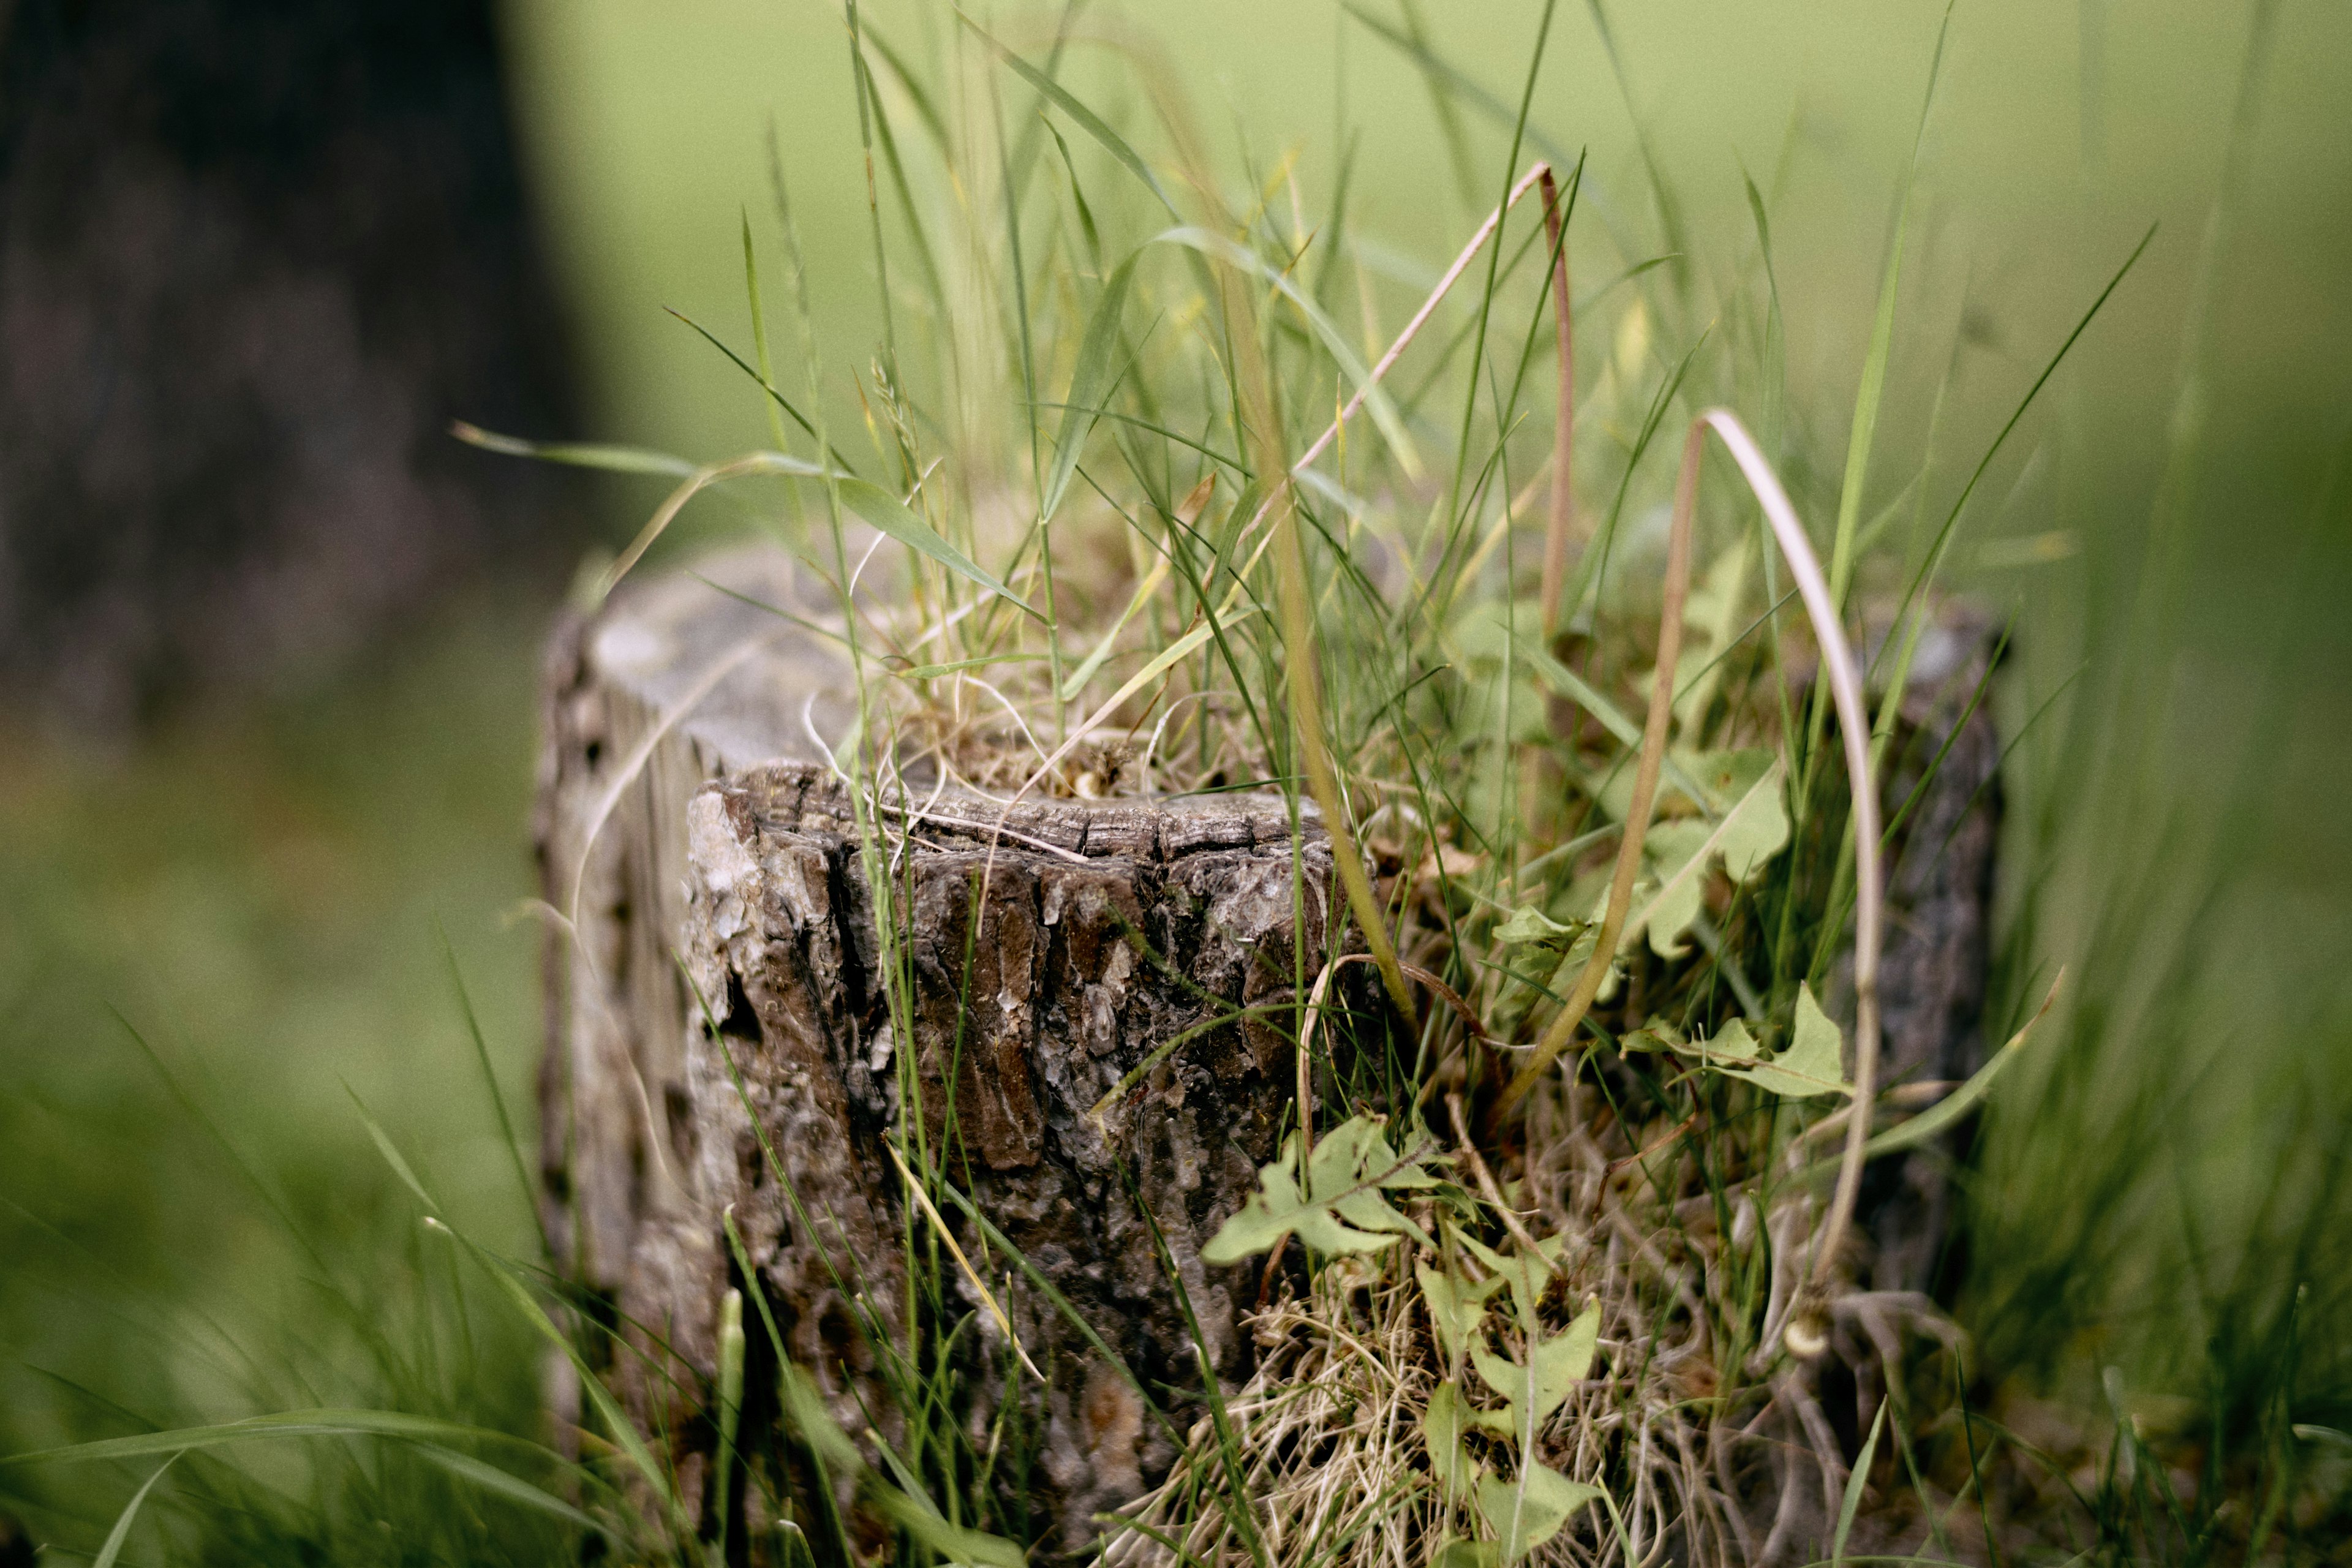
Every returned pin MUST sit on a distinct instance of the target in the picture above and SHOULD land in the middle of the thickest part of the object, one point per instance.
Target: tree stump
(717, 919)
(716, 1000)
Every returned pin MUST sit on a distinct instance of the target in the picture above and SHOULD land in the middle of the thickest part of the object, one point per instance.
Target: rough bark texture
(683, 833)
(1933, 974)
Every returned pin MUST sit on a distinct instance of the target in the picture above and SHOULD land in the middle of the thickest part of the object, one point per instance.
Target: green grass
(1082, 317)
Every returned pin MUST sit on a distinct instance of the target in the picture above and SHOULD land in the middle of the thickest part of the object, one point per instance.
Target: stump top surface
(788, 794)
(714, 644)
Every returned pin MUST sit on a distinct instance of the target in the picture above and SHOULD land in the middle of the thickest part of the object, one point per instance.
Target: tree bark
(716, 918)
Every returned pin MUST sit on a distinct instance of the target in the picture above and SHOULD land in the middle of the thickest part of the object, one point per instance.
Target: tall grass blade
(1869, 395)
(1085, 119)
(886, 513)
(1090, 384)
(1856, 1481)
(121, 1531)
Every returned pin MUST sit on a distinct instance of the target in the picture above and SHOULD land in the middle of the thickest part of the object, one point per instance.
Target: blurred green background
(255, 888)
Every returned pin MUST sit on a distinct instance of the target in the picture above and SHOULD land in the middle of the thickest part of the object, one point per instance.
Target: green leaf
(1685, 845)
(1733, 1043)
(1743, 791)
(575, 454)
(1757, 827)
(1854, 1483)
(1340, 1208)
(1525, 1275)
(887, 513)
(284, 1424)
(1530, 926)
(1553, 1369)
(1442, 1429)
(1812, 1066)
(951, 1542)
(1466, 1554)
(1457, 1306)
(1526, 1514)
(805, 1410)
(498, 1483)
(1090, 383)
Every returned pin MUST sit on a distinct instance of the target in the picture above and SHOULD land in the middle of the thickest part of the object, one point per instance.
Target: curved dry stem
(1854, 726)
(1845, 692)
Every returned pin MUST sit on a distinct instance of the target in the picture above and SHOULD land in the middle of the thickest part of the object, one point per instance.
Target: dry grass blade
(987, 1297)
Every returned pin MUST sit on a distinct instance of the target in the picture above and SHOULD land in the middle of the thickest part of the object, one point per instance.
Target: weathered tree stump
(705, 860)
(718, 1008)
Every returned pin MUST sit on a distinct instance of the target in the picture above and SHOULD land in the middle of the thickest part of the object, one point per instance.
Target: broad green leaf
(887, 513)
(1457, 1306)
(1949, 1111)
(1090, 383)
(1743, 791)
(1812, 1066)
(1733, 1043)
(1353, 1162)
(1340, 1208)
(1466, 1554)
(1553, 1369)
(1685, 844)
(1530, 926)
(1526, 1275)
(1657, 1035)
(1757, 827)
(1526, 1514)
(1442, 1429)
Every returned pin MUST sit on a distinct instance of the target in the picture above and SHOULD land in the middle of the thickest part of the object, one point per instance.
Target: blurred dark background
(255, 254)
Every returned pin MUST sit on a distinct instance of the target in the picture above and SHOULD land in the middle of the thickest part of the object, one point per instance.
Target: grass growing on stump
(1591, 813)
(1189, 491)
